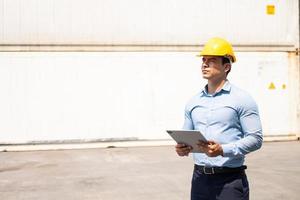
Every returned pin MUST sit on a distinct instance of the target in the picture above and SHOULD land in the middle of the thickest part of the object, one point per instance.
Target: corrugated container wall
(113, 69)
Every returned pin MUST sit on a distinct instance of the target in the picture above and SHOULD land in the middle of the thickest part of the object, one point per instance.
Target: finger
(183, 151)
(187, 151)
(189, 148)
(212, 146)
(181, 145)
(181, 154)
(209, 154)
(211, 142)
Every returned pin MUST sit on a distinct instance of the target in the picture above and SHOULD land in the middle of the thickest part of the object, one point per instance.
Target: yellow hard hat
(218, 47)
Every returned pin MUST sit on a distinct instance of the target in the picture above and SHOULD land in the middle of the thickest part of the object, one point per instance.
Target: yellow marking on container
(272, 86)
(271, 9)
(283, 86)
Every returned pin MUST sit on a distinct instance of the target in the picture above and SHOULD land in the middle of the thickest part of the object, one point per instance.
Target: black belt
(219, 170)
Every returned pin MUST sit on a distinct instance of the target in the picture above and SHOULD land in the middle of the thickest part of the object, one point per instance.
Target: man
(229, 119)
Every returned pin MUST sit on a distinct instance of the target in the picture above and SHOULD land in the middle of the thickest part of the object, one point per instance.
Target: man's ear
(227, 67)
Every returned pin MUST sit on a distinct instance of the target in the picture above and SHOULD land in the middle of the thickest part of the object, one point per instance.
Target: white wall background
(47, 96)
(63, 96)
(147, 22)
(137, 95)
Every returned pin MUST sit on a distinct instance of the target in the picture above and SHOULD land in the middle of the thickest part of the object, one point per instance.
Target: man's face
(212, 68)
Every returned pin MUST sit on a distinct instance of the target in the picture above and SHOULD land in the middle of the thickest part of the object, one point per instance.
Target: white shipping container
(133, 95)
(125, 69)
(146, 22)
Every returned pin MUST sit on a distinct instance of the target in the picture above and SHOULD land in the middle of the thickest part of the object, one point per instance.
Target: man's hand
(210, 148)
(183, 149)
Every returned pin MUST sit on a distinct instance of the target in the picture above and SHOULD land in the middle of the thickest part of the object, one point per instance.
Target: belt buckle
(208, 172)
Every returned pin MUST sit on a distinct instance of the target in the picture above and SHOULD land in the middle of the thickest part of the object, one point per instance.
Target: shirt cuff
(228, 150)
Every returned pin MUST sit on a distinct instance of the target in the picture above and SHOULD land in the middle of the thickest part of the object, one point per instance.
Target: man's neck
(215, 86)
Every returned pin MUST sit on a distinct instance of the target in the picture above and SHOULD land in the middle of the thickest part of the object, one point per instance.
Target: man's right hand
(183, 149)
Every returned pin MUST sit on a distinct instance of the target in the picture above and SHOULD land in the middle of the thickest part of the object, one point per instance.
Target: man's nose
(204, 65)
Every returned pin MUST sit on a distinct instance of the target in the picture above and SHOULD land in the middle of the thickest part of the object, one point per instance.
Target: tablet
(188, 137)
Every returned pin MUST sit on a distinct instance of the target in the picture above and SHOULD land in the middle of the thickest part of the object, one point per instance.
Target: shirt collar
(226, 88)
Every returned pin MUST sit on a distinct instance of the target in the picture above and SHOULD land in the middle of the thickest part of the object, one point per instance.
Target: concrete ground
(136, 173)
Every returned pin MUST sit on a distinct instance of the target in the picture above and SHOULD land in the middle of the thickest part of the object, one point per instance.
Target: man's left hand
(210, 148)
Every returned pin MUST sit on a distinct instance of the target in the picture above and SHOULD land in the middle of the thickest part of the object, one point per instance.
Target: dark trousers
(225, 186)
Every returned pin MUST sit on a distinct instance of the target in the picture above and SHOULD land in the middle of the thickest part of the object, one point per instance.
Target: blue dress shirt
(229, 117)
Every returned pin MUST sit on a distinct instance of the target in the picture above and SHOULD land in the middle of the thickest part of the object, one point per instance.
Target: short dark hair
(226, 60)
